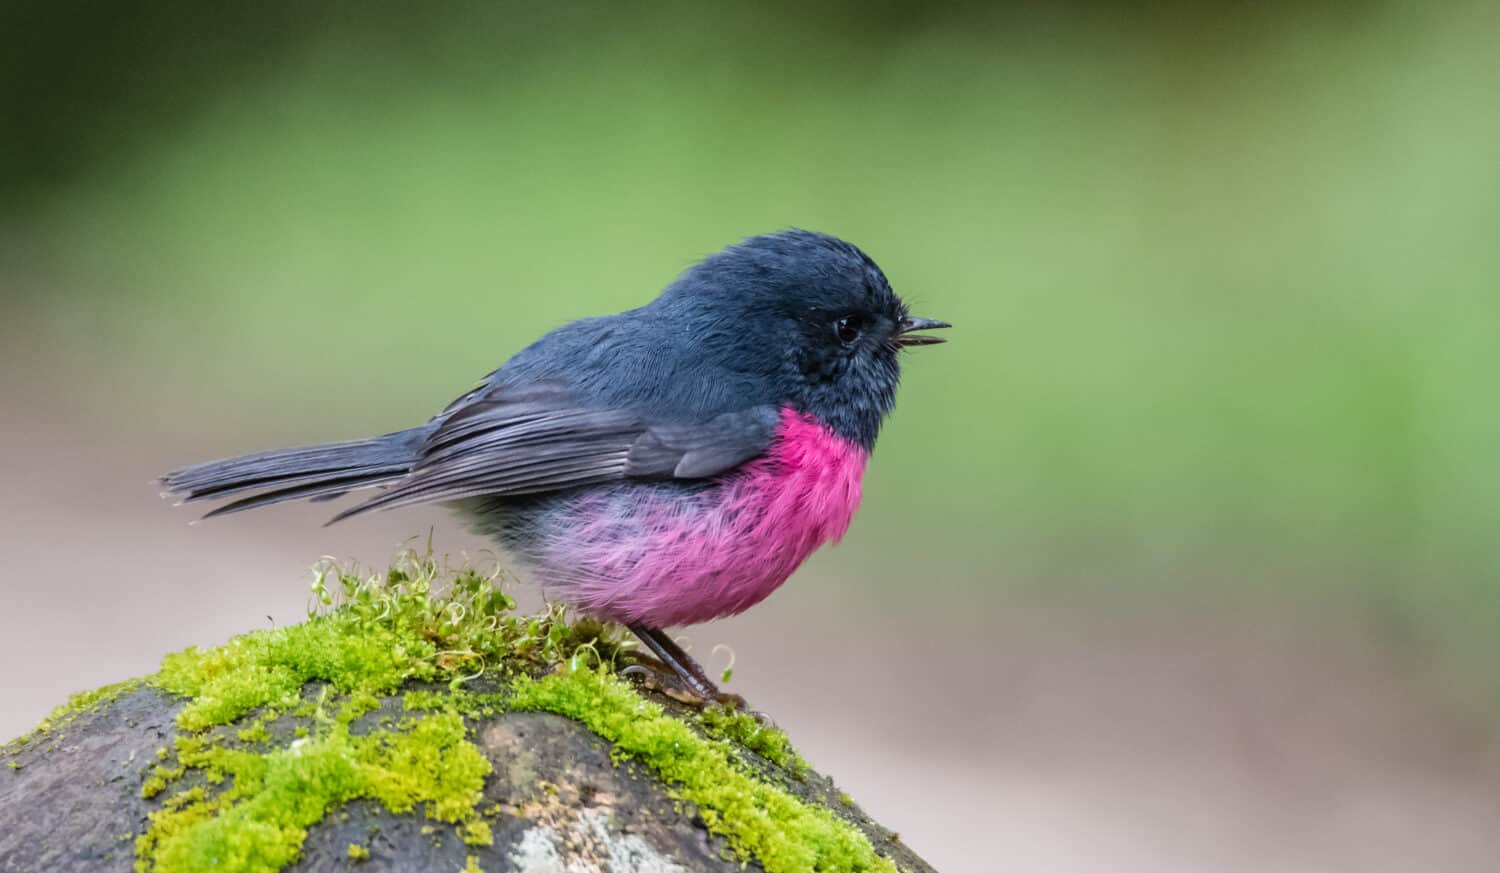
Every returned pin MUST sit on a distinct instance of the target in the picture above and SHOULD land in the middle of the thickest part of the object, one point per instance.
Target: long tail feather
(322, 471)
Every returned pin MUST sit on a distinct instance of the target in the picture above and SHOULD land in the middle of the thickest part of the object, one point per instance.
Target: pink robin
(663, 466)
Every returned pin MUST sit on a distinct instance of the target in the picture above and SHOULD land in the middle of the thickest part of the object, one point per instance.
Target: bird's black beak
(906, 331)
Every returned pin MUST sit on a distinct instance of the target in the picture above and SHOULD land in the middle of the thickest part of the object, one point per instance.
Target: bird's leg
(688, 671)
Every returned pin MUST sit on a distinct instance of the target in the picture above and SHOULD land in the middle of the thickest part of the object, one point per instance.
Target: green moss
(478, 833)
(79, 704)
(159, 779)
(764, 740)
(372, 637)
(425, 701)
(760, 820)
(389, 630)
(269, 668)
(358, 853)
(255, 733)
(260, 822)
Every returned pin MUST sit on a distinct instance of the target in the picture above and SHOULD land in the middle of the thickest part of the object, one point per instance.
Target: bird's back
(665, 362)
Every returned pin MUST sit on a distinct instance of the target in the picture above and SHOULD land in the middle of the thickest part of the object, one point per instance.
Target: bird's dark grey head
(808, 312)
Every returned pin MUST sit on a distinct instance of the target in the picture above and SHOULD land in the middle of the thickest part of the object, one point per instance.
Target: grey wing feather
(694, 451)
(514, 441)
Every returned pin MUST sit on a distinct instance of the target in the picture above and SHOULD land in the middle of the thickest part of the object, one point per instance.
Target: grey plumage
(683, 389)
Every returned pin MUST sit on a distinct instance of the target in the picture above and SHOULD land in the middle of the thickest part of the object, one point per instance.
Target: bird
(659, 467)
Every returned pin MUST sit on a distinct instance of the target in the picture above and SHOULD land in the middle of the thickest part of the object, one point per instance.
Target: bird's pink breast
(664, 557)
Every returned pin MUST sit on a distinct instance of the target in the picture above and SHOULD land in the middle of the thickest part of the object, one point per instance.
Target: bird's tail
(309, 472)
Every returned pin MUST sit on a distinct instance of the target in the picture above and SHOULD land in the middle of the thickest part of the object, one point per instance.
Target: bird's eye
(848, 328)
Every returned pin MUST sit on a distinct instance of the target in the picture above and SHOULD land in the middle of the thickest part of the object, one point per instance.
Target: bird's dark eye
(848, 328)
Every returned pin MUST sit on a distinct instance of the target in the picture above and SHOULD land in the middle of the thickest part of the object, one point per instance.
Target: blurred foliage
(1225, 281)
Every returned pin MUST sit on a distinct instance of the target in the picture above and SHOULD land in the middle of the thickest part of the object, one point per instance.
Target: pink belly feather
(673, 558)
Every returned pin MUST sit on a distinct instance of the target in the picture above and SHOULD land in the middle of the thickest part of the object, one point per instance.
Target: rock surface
(556, 800)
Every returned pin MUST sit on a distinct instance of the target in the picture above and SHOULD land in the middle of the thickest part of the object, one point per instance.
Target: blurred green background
(1225, 281)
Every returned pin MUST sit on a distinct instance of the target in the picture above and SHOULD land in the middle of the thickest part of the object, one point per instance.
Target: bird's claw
(653, 674)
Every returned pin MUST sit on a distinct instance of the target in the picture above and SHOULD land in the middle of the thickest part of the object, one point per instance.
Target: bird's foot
(695, 691)
(651, 674)
(692, 685)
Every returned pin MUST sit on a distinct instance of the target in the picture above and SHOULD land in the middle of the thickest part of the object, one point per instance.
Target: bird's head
(810, 313)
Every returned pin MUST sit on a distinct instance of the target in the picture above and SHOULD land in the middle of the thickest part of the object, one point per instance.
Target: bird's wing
(517, 440)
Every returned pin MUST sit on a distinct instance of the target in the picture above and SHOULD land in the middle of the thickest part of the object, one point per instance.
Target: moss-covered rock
(416, 722)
